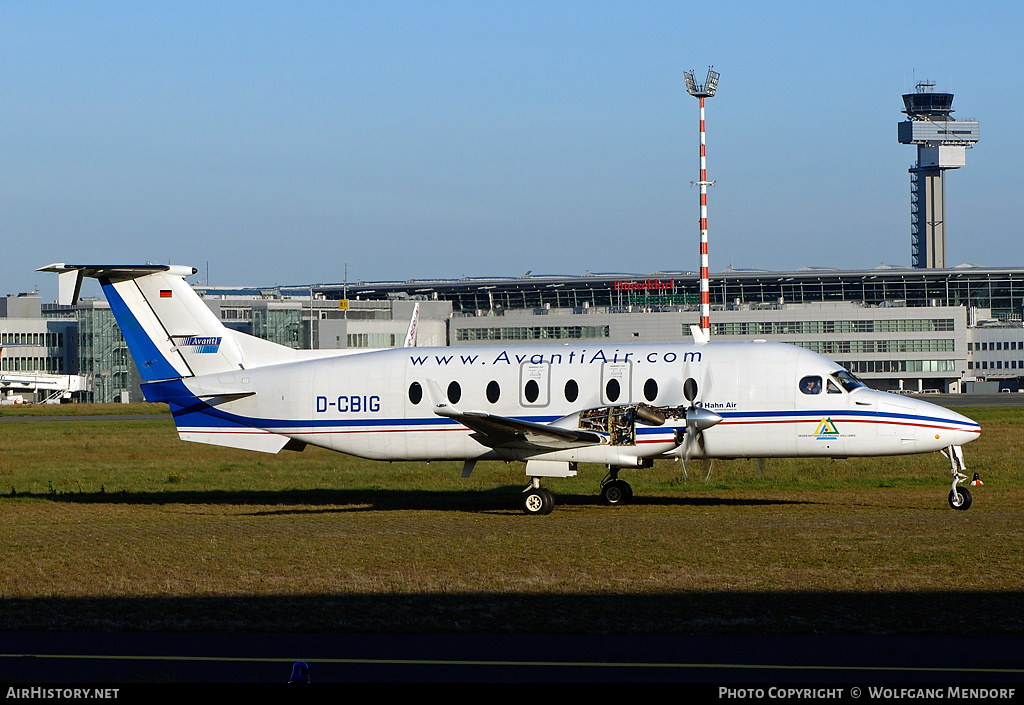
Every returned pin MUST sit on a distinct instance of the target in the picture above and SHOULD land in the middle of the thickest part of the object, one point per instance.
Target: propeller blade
(690, 438)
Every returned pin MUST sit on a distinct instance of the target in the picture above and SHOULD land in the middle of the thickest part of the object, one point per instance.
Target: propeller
(691, 437)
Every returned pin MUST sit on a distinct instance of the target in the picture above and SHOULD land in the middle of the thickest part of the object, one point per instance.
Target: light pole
(707, 90)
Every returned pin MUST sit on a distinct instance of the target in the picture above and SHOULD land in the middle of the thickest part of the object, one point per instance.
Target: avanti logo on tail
(200, 344)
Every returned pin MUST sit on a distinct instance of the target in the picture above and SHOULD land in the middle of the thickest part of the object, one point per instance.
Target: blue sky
(278, 142)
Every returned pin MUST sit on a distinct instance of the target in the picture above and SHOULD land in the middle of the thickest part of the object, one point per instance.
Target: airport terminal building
(898, 328)
(948, 330)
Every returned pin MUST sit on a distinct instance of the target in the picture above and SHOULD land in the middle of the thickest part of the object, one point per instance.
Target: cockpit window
(848, 381)
(811, 385)
(832, 388)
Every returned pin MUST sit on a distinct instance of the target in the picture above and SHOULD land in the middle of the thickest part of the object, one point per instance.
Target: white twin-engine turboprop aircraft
(552, 406)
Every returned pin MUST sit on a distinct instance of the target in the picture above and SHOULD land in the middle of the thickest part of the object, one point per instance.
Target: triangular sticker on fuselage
(826, 428)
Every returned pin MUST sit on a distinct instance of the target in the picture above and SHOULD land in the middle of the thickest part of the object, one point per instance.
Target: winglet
(699, 337)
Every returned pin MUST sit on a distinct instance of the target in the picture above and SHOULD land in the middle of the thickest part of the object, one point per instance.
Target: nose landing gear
(959, 497)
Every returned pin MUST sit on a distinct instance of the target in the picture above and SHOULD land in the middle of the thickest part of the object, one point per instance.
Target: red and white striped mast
(707, 90)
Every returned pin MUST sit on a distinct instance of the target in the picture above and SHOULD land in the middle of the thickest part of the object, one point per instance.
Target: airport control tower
(941, 145)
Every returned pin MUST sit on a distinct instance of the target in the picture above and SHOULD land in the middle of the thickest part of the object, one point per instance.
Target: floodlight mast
(707, 90)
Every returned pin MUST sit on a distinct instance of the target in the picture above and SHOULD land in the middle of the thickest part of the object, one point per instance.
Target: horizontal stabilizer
(199, 420)
(69, 276)
(221, 397)
(245, 438)
(173, 391)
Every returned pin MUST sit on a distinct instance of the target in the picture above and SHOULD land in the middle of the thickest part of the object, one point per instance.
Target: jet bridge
(44, 388)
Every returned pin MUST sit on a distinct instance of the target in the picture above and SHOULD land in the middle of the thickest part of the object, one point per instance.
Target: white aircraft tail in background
(551, 406)
(412, 335)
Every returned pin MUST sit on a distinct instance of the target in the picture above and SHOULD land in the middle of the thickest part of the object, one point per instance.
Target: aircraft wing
(504, 432)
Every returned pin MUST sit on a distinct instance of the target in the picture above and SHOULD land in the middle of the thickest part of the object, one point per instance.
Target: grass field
(116, 524)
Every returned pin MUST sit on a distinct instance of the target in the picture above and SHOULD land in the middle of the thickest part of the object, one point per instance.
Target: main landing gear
(615, 492)
(536, 499)
(959, 497)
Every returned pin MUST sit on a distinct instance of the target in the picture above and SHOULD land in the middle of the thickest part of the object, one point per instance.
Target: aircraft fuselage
(378, 405)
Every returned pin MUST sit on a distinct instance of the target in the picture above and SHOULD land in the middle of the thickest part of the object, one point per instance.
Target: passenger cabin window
(415, 393)
(493, 391)
(650, 390)
(454, 392)
(612, 390)
(572, 390)
(531, 391)
(811, 385)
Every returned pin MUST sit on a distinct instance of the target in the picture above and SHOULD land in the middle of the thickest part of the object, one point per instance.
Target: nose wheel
(960, 498)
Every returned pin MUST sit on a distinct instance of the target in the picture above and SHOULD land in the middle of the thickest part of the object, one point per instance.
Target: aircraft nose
(949, 428)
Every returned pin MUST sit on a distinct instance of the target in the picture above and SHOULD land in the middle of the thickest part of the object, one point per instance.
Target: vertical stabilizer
(170, 332)
(180, 328)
